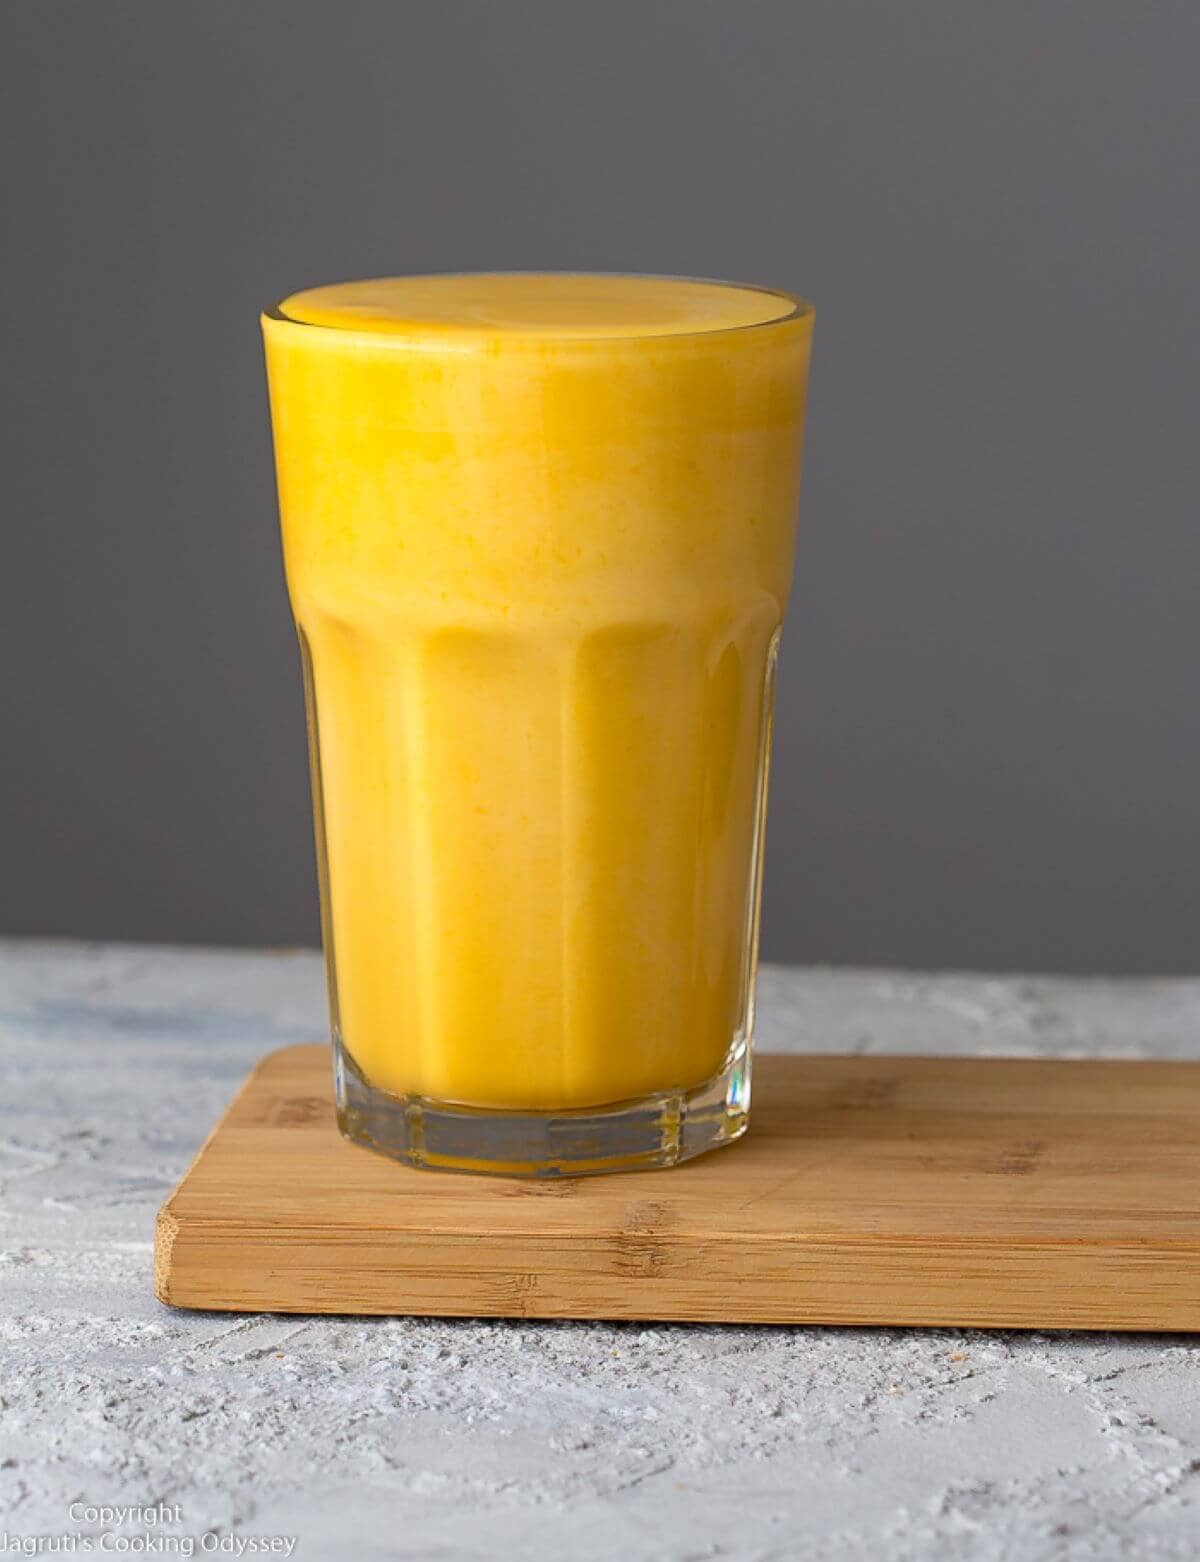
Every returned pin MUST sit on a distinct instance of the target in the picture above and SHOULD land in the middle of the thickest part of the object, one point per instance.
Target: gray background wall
(988, 750)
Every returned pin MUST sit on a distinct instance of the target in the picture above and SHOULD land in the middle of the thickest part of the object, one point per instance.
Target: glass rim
(464, 338)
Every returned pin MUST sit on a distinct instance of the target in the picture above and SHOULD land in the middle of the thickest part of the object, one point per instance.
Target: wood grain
(870, 1190)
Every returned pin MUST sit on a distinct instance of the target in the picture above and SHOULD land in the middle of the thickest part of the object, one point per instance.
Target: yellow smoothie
(538, 534)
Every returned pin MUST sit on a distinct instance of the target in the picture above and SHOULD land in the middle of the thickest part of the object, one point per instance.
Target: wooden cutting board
(870, 1190)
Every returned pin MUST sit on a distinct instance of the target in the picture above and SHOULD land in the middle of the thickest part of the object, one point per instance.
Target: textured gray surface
(460, 1440)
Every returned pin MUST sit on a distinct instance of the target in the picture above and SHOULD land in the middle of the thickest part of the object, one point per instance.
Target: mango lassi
(538, 536)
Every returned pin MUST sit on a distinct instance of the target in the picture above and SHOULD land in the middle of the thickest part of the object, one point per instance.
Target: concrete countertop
(461, 1441)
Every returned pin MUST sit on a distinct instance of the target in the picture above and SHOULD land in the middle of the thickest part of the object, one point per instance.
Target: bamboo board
(870, 1190)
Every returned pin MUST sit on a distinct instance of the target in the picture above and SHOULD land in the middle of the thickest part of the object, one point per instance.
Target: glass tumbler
(538, 535)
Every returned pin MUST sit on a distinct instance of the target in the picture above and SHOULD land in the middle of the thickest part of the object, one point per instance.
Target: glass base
(641, 1135)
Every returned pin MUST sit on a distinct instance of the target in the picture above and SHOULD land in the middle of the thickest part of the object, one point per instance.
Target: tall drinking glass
(538, 535)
